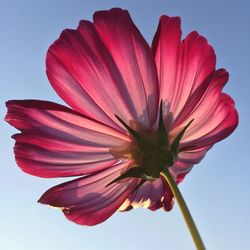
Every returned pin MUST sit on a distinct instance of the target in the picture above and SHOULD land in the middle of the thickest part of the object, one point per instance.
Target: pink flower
(106, 68)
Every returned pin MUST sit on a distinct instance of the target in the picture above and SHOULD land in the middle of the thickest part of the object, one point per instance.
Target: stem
(184, 209)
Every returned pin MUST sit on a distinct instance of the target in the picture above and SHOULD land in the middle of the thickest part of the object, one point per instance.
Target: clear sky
(217, 190)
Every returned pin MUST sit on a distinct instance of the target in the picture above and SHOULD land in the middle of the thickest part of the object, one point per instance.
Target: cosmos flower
(134, 109)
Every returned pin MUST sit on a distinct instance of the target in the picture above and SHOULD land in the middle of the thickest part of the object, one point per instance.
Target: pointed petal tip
(44, 199)
(40, 200)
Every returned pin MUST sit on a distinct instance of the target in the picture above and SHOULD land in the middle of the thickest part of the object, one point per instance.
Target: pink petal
(105, 69)
(134, 59)
(215, 116)
(57, 141)
(189, 83)
(182, 66)
(152, 195)
(185, 161)
(87, 200)
(192, 157)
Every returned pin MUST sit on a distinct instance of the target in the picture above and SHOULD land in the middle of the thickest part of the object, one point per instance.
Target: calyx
(151, 154)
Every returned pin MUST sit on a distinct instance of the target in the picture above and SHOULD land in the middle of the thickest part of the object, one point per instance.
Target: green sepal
(136, 172)
(168, 159)
(130, 130)
(162, 136)
(174, 148)
(143, 142)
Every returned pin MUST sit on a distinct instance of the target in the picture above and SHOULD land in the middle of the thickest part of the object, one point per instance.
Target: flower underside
(150, 154)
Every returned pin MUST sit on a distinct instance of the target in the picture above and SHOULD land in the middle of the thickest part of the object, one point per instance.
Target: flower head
(135, 110)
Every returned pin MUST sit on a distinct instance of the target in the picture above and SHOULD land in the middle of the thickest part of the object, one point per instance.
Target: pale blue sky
(217, 190)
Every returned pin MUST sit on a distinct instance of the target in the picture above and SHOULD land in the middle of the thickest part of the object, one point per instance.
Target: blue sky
(217, 190)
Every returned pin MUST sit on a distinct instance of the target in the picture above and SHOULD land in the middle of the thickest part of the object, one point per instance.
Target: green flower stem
(184, 209)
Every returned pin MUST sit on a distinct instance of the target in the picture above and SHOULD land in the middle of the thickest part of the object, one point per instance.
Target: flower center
(150, 153)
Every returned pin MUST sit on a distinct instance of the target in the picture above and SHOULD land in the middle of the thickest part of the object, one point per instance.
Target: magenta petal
(215, 116)
(186, 160)
(135, 62)
(182, 66)
(165, 47)
(152, 195)
(105, 69)
(192, 157)
(189, 83)
(57, 141)
(87, 200)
